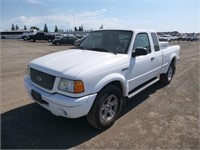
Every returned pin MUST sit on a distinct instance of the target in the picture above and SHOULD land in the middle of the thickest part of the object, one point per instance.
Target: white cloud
(69, 19)
(35, 2)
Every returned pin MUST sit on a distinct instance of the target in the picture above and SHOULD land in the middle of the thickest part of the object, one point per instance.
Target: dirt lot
(157, 118)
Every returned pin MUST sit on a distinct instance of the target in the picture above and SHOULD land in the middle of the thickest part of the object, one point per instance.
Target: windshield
(114, 41)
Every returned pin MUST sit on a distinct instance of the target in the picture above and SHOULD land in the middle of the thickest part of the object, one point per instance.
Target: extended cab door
(145, 67)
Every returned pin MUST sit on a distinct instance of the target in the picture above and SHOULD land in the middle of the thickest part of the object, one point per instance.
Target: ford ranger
(109, 67)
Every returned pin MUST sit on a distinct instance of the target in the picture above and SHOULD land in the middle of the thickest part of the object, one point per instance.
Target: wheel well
(116, 83)
(174, 61)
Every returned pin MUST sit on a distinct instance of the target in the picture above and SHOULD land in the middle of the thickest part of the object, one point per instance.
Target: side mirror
(139, 51)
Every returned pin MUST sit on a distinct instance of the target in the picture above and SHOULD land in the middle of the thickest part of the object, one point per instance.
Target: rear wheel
(167, 77)
(3, 37)
(106, 108)
(25, 38)
(32, 40)
(57, 43)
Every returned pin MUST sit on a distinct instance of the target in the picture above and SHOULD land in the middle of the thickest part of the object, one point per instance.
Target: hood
(70, 63)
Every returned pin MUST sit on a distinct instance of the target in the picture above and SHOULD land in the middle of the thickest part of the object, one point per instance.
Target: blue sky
(160, 15)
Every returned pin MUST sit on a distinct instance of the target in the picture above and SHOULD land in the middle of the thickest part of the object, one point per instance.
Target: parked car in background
(79, 41)
(182, 38)
(78, 36)
(173, 38)
(57, 35)
(64, 40)
(192, 38)
(42, 36)
(26, 35)
(166, 38)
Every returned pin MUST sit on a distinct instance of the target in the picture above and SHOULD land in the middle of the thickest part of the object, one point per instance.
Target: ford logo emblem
(39, 78)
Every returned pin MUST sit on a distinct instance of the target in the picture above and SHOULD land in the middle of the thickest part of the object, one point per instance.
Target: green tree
(13, 27)
(34, 27)
(45, 28)
(81, 28)
(56, 29)
(61, 30)
(101, 27)
(75, 29)
(16, 28)
(25, 28)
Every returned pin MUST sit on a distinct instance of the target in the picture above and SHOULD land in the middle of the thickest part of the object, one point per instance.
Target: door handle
(152, 58)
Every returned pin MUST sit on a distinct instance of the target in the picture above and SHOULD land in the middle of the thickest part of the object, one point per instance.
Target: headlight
(71, 86)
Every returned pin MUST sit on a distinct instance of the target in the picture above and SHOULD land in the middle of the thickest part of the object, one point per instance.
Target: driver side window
(142, 40)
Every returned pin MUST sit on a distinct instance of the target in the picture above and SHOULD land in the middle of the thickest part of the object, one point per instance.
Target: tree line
(80, 28)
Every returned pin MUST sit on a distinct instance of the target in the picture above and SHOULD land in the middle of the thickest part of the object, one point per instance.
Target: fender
(171, 58)
(173, 55)
(111, 78)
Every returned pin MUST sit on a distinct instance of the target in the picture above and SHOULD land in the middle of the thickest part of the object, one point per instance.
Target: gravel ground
(157, 118)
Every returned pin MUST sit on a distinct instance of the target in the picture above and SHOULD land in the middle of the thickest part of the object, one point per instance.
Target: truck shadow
(140, 98)
(32, 127)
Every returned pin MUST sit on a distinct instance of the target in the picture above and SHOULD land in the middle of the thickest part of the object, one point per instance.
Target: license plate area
(37, 97)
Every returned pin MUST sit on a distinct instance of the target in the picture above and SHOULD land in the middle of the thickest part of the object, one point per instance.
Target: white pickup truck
(109, 67)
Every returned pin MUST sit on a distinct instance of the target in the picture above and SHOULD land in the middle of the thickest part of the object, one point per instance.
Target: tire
(3, 37)
(106, 108)
(49, 40)
(25, 38)
(57, 43)
(166, 78)
(32, 40)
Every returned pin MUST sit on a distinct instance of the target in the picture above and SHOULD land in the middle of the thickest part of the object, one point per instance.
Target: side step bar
(143, 87)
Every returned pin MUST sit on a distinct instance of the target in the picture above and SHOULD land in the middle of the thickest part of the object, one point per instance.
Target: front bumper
(61, 105)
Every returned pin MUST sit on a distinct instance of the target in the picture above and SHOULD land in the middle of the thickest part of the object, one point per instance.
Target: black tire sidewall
(164, 77)
(169, 80)
(110, 90)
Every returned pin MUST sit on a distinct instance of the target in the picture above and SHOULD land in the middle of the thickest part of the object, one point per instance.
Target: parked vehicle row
(169, 38)
(34, 35)
(188, 38)
(56, 39)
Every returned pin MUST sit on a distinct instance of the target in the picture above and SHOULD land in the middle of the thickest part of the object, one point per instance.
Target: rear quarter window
(155, 41)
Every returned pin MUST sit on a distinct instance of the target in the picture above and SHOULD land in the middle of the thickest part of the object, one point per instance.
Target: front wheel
(106, 108)
(167, 77)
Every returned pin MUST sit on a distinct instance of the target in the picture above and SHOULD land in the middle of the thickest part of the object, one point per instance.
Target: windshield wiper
(103, 49)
